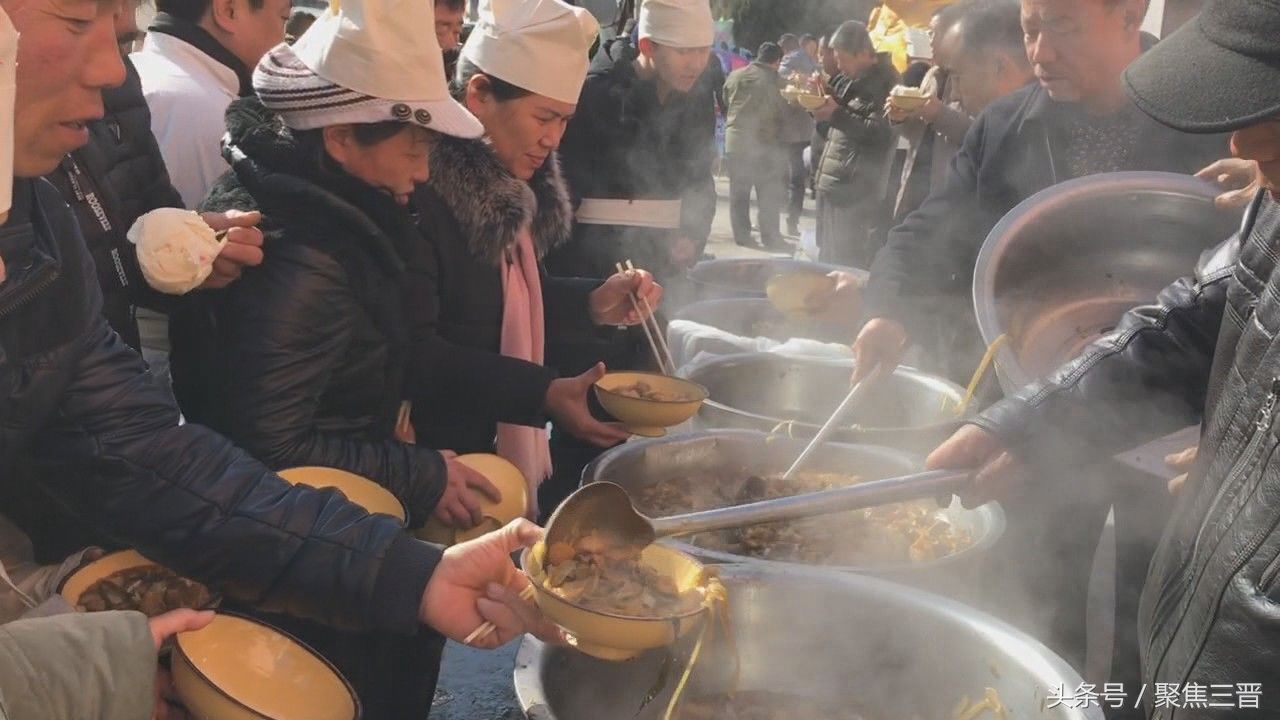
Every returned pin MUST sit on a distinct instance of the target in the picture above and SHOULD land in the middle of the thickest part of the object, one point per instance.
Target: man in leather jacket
(1207, 351)
(74, 394)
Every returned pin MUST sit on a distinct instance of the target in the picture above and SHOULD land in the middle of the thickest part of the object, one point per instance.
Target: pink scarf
(523, 337)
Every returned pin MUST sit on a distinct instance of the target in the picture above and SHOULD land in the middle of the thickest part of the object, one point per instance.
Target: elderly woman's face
(522, 132)
(393, 165)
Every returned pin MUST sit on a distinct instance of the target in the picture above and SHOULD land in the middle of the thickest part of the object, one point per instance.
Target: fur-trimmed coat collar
(490, 205)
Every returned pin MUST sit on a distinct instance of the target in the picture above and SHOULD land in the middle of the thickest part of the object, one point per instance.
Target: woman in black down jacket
(487, 203)
(302, 362)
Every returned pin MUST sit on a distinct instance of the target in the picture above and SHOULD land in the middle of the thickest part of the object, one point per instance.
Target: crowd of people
(869, 161)
(419, 238)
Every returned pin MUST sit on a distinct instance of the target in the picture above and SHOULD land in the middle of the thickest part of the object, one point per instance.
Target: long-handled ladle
(857, 394)
(605, 507)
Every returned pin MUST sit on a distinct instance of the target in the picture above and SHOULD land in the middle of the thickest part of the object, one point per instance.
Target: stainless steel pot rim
(1046, 668)
(760, 302)
(1004, 232)
(842, 363)
(815, 426)
(697, 274)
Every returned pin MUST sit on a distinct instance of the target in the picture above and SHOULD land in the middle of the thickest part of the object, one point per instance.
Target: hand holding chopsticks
(487, 628)
(475, 582)
(404, 431)
(610, 304)
(643, 309)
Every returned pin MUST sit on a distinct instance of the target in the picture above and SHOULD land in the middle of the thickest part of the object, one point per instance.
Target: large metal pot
(895, 652)
(757, 317)
(1060, 269)
(747, 277)
(765, 391)
(740, 453)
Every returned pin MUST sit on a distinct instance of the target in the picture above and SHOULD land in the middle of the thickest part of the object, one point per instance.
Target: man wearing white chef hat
(638, 158)
(638, 154)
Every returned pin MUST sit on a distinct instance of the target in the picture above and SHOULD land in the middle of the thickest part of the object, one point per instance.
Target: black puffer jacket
(854, 162)
(302, 361)
(109, 183)
(469, 214)
(1207, 351)
(74, 396)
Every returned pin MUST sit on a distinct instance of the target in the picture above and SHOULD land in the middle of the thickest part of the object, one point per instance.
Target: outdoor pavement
(721, 242)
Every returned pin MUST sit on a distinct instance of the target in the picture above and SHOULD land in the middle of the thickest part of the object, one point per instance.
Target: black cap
(1219, 72)
(769, 53)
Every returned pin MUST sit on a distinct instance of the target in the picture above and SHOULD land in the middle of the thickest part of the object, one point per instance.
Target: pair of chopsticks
(404, 424)
(486, 628)
(657, 341)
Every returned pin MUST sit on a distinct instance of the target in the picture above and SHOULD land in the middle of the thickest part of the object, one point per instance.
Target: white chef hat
(8, 83)
(364, 61)
(678, 23)
(542, 46)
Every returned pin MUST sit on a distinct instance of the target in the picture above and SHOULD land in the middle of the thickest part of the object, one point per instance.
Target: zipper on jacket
(46, 277)
(1048, 151)
(1269, 575)
(1255, 543)
(1256, 437)
(1259, 432)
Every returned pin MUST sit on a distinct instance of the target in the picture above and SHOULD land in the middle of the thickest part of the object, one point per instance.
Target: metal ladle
(605, 507)
(857, 394)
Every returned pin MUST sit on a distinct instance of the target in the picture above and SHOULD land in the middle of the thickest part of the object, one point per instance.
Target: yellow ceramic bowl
(240, 669)
(791, 293)
(806, 100)
(650, 417)
(77, 582)
(366, 493)
(515, 498)
(811, 102)
(908, 98)
(618, 637)
(80, 580)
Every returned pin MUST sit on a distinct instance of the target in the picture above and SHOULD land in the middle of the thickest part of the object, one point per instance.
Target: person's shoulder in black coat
(307, 350)
(179, 493)
(109, 183)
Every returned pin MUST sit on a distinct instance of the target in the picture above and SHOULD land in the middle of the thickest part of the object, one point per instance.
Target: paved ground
(476, 685)
(721, 243)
